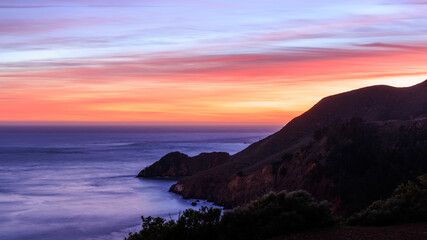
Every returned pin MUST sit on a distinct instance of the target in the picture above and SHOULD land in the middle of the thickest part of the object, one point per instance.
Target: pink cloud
(297, 63)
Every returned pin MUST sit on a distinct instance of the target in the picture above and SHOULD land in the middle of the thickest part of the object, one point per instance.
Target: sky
(200, 61)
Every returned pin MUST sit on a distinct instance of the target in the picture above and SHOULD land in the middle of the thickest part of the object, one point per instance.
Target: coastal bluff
(177, 164)
(351, 149)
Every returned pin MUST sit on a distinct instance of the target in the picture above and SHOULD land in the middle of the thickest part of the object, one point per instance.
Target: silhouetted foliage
(407, 204)
(192, 224)
(276, 215)
(272, 215)
(358, 154)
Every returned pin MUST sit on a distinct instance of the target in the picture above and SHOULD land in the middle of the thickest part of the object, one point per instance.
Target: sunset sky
(216, 61)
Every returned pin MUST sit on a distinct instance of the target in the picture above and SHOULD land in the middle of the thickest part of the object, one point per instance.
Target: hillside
(176, 164)
(351, 149)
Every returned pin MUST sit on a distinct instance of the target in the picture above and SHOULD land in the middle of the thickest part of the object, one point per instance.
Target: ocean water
(79, 182)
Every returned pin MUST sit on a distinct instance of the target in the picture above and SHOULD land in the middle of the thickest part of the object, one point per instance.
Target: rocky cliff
(351, 148)
(176, 164)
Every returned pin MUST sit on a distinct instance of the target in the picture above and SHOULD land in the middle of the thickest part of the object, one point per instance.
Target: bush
(190, 225)
(276, 215)
(407, 204)
(153, 228)
(271, 216)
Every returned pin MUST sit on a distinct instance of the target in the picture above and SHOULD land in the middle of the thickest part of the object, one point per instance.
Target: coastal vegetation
(192, 224)
(273, 215)
(407, 204)
(283, 213)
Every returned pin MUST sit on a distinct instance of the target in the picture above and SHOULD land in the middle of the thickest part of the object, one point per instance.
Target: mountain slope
(176, 164)
(259, 168)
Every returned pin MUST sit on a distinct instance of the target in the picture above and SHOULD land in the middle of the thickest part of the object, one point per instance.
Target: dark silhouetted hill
(351, 149)
(177, 164)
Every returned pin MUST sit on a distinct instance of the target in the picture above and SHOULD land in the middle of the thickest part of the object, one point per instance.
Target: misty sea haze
(79, 182)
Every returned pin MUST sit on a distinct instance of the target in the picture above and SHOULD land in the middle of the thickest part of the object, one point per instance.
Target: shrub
(192, 224)
(407, 204)
(153, 228)
(275, 215)
(272, 215)
(200, 224)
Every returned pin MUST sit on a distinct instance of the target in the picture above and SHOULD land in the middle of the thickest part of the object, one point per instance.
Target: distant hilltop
(176, 164)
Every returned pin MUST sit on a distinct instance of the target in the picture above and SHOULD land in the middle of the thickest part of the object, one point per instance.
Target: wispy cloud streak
(199, 60)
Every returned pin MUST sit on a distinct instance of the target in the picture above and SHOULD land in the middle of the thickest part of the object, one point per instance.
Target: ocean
(79, 182)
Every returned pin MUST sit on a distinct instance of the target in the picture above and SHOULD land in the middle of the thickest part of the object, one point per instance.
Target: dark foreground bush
(271, 216)
(276, 215)
(407, 204)
(192, 224)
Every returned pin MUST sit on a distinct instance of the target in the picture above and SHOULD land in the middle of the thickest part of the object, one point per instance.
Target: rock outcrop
(351, 149)
(176, 164)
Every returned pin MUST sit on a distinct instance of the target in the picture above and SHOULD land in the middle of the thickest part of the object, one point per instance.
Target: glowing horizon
(173, 61)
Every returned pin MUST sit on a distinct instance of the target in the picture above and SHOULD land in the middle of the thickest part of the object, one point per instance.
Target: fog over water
(79, 182)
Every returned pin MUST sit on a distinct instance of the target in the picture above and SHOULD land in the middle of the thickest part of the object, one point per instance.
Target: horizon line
(139, 123)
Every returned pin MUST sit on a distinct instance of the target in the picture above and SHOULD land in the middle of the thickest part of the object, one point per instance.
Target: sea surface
(79, 182)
